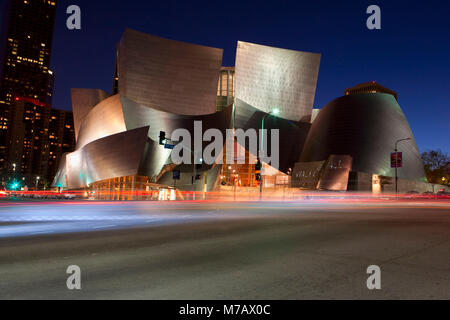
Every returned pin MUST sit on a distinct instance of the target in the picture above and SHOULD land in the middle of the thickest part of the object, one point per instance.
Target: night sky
(411, 54)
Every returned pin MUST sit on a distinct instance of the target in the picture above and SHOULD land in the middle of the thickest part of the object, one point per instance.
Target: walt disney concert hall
(161, 85)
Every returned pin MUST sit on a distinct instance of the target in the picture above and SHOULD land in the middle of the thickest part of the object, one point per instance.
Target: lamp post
(289, 173)
(163, 140)
(234, 183)
(194, 169)
(37, 182)
(396, 164)
(14, 183)
(274, 113)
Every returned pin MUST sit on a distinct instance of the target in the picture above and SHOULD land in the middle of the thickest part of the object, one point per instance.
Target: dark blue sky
(411, 54)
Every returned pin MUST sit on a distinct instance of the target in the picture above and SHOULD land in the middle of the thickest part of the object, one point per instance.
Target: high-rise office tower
(25, 50)
(38, 137)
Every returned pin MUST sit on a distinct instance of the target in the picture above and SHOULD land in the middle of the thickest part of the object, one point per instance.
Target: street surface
(311, 249)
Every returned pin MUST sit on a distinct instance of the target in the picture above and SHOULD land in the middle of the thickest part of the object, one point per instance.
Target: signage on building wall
(396, 160)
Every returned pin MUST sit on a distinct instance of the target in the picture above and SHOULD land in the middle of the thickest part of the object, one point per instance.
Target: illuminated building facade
(345, 146)
(25, 51)
(363, 125)
(39, 136)
(163, 85)
(268, 78)
(167, 75)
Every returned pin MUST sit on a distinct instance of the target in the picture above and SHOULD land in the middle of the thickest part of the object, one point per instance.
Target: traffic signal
(258, 177)
(197, 177)
(176, 174)
(14, 185)
(162, 138)
(258, 166)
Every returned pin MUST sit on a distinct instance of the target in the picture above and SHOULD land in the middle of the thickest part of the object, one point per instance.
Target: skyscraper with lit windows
(25, 51)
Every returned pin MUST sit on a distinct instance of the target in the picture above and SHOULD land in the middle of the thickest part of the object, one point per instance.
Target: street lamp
(37, 181)
(275, 112)
(396, 164)
(14, 172)
(194, 181)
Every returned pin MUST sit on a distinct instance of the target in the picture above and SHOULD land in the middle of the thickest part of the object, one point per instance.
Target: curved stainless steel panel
(103, 120)
(269, 78)
(114, 156)
(292, 133)
(335, 173)
(117, 155)
(83, 100)
(155, 156)
(108, 133)
(364, 126)
(138, 115)
(168, 75)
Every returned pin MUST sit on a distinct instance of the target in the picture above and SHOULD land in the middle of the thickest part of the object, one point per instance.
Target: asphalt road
(209, 250)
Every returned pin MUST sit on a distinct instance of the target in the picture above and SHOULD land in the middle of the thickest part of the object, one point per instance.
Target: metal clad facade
(104, 119)
(114, 156)
(83, 100)
(269, 78)
(364, 126)
(168, 75)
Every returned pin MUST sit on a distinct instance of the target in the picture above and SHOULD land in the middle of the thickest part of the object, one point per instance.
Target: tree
(436, 164)
(384, 181)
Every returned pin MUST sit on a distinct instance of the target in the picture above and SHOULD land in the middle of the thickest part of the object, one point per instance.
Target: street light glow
(276, 111)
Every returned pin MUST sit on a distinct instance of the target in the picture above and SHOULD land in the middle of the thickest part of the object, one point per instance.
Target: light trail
(231, 196)
(18, 219)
